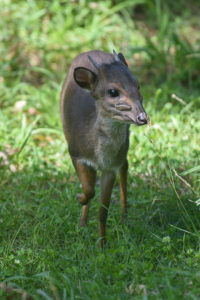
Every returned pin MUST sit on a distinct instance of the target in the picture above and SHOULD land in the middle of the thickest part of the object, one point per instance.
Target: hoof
(102, 243)
(83, 223)
(123, 217)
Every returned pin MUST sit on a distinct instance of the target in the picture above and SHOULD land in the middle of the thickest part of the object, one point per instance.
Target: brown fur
(96, 125)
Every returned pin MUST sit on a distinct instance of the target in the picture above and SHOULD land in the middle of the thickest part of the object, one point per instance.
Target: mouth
(126, 118)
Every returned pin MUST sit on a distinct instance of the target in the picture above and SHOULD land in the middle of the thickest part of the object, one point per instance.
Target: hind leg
(87, 176)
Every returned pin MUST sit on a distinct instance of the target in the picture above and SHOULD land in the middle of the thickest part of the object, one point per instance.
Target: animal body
(100, 99)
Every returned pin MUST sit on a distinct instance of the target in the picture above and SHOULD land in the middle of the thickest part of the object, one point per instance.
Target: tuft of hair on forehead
(116, 69)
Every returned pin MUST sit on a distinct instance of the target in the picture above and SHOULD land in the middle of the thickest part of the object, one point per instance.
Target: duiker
(100, 99)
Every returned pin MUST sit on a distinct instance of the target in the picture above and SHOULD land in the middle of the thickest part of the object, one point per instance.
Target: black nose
(142, 119)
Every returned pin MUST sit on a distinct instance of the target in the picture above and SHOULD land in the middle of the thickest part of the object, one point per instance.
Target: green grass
(155, 253)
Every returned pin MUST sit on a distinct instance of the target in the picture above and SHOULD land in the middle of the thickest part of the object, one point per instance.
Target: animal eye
(113, 93)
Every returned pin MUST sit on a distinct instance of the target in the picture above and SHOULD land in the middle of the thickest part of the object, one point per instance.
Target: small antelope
(100, 99)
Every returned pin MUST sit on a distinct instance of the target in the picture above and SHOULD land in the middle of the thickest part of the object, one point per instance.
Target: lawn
(155, 252)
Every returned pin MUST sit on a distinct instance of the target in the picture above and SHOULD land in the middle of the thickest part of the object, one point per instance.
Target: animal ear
(84, 78)
(122, 58)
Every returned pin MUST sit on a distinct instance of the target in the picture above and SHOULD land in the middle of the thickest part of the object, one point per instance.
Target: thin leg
(123, 187)
(87, 176)
(84, 214)
(107, 181)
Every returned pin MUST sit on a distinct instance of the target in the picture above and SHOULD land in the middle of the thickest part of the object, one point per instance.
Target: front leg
(107, 182)
(123, 187)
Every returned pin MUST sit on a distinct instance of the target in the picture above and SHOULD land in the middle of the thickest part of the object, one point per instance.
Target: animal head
(115, 89)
